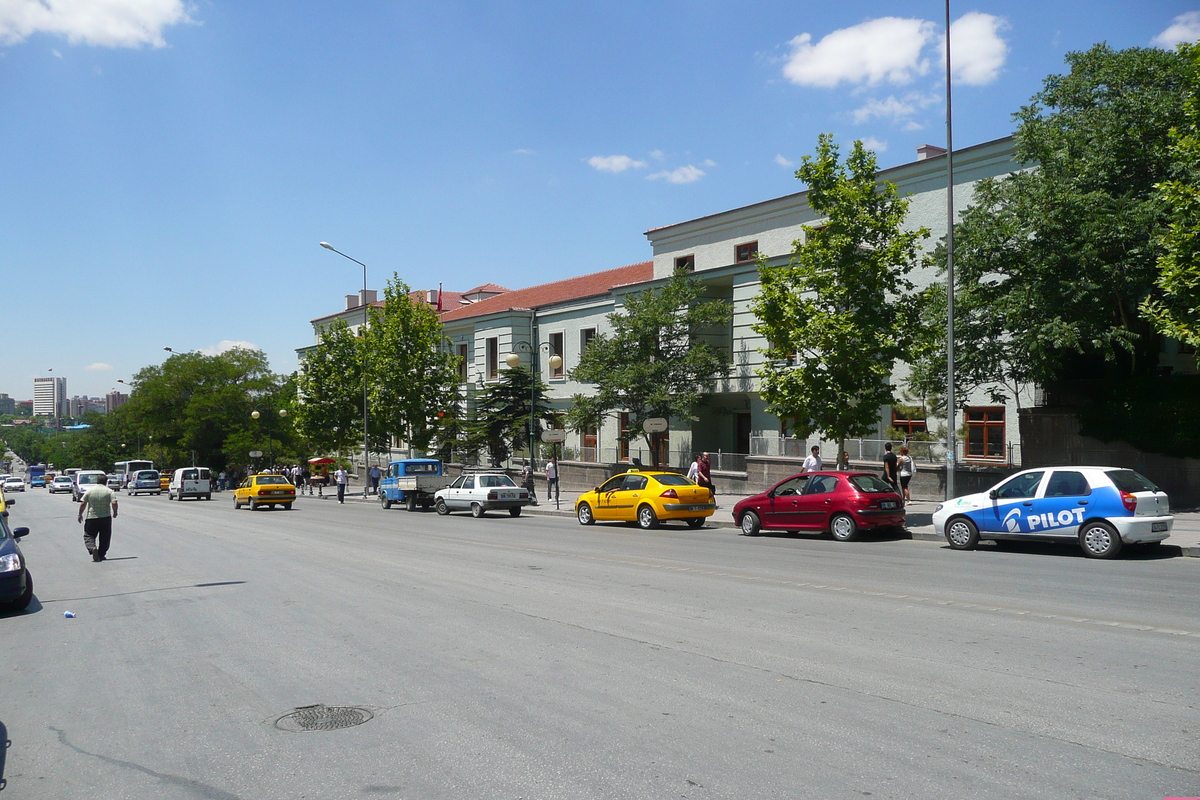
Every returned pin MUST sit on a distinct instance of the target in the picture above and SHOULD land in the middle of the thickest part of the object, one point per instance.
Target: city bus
(126, 469)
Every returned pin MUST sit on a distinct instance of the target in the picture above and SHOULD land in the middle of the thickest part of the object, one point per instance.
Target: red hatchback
(842, 503)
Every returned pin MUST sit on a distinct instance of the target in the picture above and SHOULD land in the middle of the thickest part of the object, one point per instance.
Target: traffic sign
(654, 425)
(256, 453)
(554, 435)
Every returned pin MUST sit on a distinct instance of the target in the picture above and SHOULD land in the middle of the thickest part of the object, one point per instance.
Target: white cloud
(783, 162)
(885, 49)
(656, 155)
(99, 366)
(1184, 28)
(225, 345)
(976, 50)
(708, 162)
(615, 163)
(894, 109)
(688, 174)
(875, 145)
(912, 125)
(524, 151)
(102, 23)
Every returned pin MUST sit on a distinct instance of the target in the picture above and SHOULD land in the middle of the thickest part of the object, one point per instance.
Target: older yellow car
(647, 498)
(265, 490)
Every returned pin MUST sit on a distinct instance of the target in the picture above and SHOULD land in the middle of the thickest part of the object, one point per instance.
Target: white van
(190, 482)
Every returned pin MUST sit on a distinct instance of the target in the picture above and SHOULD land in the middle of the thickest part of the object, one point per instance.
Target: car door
(607, 503)
(1010, 504)
(781, 510)
(459, 495)
(816, 503)
(629, 496)
(1060, 506)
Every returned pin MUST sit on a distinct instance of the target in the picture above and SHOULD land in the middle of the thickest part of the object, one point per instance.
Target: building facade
(50, 397)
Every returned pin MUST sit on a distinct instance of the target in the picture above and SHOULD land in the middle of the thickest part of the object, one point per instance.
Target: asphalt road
(535, 658)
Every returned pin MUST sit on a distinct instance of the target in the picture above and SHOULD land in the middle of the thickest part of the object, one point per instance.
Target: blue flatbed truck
(37, 475)
(412, 481)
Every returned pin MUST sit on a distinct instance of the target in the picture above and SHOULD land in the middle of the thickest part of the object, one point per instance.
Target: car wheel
(236, 503)
(286, 506)
(442, 508)
(22, 602)
(250, 502)
(1099, 540)
(476, 510)
(385, 501)
(411, 503)
(695, 522)
(750, 524)
(515, 511)
(208, 497)
(843, 527)
(647, 519)
(962, 534)
(584, 514)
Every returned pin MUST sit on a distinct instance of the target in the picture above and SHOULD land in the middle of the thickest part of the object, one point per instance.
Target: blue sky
(169, 167)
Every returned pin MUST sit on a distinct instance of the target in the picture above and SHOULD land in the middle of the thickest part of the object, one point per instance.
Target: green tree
(1051, 263)
(412, 378)
(841, 311)
(329, 390)
(501, 422)
(658, 361)
(30, 443)
(1176, 312)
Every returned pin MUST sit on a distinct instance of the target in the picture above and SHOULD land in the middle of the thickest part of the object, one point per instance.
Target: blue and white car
(1100, 507)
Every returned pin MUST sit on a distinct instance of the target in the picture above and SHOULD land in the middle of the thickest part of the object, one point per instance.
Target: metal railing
(925, 452)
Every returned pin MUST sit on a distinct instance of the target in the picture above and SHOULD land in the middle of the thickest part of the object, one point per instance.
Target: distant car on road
(13, 484)
(1102, 508)
(16, 584)
(85, 479)
(479, 492)
(60, 483)
(144, 481)
(114, 482)
(646, 497)
(190, 482)
(265, 490)
(840, 503)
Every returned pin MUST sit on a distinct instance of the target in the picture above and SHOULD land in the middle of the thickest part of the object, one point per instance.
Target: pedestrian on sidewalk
(552, 478)
(528, 483)
(694, 470)
(906, 468)
(375, 474)
(812, 463)
(341, 477)
(890, 467)
(704, 475)
(100, 503)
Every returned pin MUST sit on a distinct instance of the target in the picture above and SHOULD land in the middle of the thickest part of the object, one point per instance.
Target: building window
(493, 358)
(556, 349)
(985, 433)
(745, 252)
(589, 444)
(462, 363)
(622, 432)
(908, 420)
(585, 338)
(685, 264)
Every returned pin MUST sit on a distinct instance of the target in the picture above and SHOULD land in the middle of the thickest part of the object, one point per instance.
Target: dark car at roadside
(16, 584)
(842, 504)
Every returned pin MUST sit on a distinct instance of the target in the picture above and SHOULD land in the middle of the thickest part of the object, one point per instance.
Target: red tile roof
(597, 283)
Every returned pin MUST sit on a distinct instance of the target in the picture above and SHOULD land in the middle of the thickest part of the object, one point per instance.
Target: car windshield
(420, 469)
(1129, 481)
(673, 480)
(267, 480)
(869, 484)
(147, 475)
(495, 480)
(92, 478)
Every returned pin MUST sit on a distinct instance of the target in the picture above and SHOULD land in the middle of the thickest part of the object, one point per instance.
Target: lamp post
(270, 446)
(950, 432)
(328, 246)
(513, 360)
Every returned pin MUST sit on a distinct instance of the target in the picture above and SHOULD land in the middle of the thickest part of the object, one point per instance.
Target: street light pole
(950, 432)
(270, 445)
(328, 246)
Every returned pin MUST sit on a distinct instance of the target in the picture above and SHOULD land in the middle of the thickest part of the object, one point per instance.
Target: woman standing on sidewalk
(906, 470)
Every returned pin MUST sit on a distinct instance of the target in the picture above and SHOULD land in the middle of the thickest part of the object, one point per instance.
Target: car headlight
(10, 563)
(939, 508)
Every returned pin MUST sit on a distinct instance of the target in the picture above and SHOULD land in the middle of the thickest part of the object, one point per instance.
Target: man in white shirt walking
(341, 477)
(813, 462)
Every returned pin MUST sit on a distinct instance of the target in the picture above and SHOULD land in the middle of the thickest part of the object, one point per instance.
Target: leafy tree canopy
(840, 312)
(502, 414)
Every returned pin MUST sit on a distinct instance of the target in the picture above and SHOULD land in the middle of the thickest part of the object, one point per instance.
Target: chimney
(431, 296)
(367, 296)
(929, 151)
(351, 301)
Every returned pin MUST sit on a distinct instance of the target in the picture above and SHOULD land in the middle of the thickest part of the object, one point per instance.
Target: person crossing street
(100, 504)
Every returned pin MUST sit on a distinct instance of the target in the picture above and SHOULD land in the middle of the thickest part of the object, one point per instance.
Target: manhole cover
(322, 718)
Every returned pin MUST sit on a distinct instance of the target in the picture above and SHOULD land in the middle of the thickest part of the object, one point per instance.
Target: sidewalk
(1185, 534)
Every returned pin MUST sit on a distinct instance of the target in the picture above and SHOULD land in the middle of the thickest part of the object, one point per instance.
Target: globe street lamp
(328, 246)
(270, 445)
(513, 360)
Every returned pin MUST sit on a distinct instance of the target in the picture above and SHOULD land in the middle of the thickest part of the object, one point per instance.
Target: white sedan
(478, 492)
(60, 483)
(13, 484)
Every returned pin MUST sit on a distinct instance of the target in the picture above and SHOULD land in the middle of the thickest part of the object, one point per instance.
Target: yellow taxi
(265, 490)
(164, 479)
(4, 504)
(647, 498)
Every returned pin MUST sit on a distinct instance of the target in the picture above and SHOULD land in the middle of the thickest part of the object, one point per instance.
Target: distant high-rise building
(77, 407)
(49, 397)
(114, 399)
(8, 405)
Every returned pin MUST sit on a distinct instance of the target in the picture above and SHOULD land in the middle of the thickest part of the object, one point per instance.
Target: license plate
(1156, 527)
(280, 491)
(887, 504)
(701, 507)
(508, 495)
